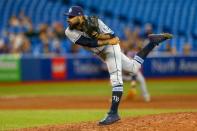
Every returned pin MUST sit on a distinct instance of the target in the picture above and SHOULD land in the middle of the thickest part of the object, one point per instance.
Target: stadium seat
(176, 16)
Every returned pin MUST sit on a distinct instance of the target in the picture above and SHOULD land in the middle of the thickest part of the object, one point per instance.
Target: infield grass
(98, 88)
(12, 119)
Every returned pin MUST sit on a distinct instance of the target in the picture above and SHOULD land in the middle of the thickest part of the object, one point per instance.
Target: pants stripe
(115, 62)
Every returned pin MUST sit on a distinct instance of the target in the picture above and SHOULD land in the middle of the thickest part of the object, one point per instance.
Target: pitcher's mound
(161, 122)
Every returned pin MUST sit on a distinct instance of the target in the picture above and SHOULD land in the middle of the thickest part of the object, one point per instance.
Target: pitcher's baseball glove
(90, 26)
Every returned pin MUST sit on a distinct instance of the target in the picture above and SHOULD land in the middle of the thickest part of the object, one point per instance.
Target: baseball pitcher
(91, 33)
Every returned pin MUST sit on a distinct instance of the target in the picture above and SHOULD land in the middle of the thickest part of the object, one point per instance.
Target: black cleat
(109, 119)
(157, 38)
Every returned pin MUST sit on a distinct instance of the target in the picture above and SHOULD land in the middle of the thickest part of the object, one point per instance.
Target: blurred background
(33, 31)
(40, 69)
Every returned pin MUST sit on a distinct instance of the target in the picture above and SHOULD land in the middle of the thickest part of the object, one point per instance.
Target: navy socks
(146, 50)
(116, 97)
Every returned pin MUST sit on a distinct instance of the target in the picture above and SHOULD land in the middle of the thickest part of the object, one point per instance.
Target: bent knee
(116, 78)
(136, 67)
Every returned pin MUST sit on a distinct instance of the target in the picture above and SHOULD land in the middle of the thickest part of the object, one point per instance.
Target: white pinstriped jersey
(74, 35)
(115, 60)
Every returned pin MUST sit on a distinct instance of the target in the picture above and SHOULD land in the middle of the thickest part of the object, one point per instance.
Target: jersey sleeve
(88, 42)
(77, 38)
(104, 28)
(73, 35)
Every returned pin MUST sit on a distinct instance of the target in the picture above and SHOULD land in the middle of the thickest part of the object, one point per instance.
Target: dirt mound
(161, 122)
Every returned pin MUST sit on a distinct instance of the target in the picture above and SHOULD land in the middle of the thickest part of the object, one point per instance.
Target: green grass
(66, 89)
(173, 87)
(10, 119)
(101, 88)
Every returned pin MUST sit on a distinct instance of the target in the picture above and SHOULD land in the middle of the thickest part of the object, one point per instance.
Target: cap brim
(66, 14)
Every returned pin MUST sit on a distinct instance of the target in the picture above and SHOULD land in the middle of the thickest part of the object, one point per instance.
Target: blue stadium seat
(176, 16)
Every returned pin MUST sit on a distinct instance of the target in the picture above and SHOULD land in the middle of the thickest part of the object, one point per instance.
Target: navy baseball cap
(75, 11)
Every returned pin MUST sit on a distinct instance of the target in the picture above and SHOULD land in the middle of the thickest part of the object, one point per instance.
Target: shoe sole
(104, 124)
(168, 36)
(165, 35)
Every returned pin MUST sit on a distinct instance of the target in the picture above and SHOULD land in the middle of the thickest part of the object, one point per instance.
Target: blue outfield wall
(90, 67)
(170, 66)
(35, 68)
(74, 67)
